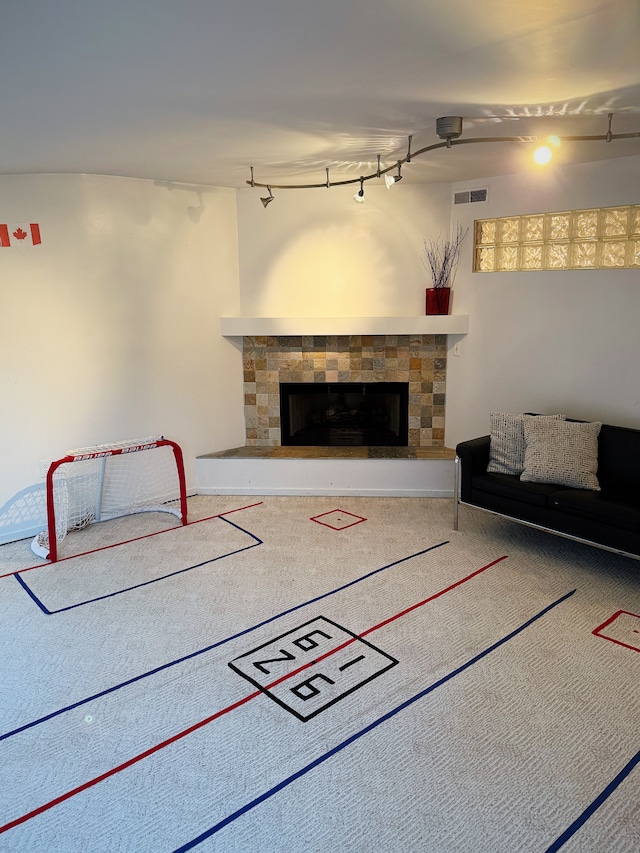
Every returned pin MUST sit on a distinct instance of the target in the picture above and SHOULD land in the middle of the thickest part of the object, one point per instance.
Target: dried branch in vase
(441, 257)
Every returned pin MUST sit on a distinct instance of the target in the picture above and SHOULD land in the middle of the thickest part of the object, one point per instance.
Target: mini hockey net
(107, 481)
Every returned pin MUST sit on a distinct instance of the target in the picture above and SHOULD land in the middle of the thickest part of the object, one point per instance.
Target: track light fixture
(448, 128)
(544, 153)
(390, 180)
(609, 135)
(268, 199)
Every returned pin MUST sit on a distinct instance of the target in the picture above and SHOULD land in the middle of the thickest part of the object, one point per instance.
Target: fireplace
(359, 414)
(269, 363)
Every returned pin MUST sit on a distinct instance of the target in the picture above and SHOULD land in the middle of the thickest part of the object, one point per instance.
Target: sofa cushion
(511, 487)
(562, 452)
(616, 507)
(506, 452)
(619, 457)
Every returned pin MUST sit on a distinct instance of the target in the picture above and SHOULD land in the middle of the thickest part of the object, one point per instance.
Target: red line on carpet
(128, 763)
(126, 541)
(174, 738)
(431, 598)
(382, 624)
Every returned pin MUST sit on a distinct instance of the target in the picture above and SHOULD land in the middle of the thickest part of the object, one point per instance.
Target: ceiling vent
(471, 196)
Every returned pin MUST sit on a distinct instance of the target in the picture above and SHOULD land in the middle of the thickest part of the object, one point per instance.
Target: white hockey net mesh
(110, 486)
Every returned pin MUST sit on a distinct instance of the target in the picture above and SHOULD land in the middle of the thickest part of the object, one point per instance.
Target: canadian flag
(19, 234)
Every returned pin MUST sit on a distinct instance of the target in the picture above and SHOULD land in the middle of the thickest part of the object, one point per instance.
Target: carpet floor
(326, 674)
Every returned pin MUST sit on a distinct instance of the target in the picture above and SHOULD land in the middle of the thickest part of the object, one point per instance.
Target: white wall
(565, 341)
(318, 253)
(109, 330)
(538, 341)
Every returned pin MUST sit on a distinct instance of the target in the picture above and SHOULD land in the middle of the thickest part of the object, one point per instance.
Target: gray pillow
(506, 453)
(561, 452)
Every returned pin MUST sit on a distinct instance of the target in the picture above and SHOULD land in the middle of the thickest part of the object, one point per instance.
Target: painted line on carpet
(359, 518)
(48, 612)
(266, 688)
(223, 711)
(599, 631)
(215, 645)
(126, 541)
(383, 719)
(599, 800)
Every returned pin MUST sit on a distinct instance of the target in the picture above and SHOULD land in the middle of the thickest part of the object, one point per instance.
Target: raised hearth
(371, 471)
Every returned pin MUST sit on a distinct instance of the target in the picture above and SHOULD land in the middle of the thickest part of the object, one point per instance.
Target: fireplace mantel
(448, 324)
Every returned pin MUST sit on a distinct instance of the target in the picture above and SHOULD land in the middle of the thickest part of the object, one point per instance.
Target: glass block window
(602, 238)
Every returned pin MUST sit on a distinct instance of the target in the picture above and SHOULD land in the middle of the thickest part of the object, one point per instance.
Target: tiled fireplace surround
(420, 360)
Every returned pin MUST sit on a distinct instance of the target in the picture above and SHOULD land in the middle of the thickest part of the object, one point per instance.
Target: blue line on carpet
(354, 737)
(47, 612)
(219, 642)
(599, 800)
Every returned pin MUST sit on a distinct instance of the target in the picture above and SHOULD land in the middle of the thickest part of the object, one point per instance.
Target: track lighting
(268, 199)
(543, 153)
(390, 180)
(448, 128)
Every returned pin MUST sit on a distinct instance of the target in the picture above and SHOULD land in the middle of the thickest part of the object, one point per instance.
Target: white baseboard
(370, 493)
(364, 477)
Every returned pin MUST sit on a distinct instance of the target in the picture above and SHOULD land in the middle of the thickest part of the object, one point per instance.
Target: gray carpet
(319, 674)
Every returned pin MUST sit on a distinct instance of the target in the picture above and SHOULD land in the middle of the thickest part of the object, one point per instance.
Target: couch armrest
(474, 458)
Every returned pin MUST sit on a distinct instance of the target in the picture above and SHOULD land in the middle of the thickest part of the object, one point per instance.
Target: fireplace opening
(344, 413)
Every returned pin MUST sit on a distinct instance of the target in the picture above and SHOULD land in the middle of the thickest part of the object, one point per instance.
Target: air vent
(471, 196)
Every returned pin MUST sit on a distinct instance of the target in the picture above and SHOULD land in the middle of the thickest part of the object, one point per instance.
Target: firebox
(344, 413)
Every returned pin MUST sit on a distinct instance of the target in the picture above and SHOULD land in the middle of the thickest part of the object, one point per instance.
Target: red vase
(438, 300)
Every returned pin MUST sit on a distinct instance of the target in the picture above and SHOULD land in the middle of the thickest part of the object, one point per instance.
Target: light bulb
(542, 155)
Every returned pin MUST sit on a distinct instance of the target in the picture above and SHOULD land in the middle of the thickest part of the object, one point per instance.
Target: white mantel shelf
(446, 324)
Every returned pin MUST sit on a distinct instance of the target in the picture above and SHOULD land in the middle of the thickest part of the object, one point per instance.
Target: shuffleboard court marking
(364, 731)
(325, 686)
(180, 735)
(215, 645)
(48, 565)
(199, 565)
(623, 628)
(338, 521)
(604, 795)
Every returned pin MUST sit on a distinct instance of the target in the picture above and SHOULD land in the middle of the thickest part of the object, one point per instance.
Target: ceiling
(198, 91)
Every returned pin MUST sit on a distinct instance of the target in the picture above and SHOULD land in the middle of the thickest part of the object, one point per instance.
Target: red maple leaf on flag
(20, 234)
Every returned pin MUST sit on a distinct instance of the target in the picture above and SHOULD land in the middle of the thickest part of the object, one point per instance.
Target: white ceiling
(197, 91)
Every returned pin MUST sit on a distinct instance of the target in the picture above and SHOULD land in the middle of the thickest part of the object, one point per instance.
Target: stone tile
(419, 360)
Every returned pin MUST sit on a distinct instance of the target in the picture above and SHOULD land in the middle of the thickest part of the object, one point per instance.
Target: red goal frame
(105, 451)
